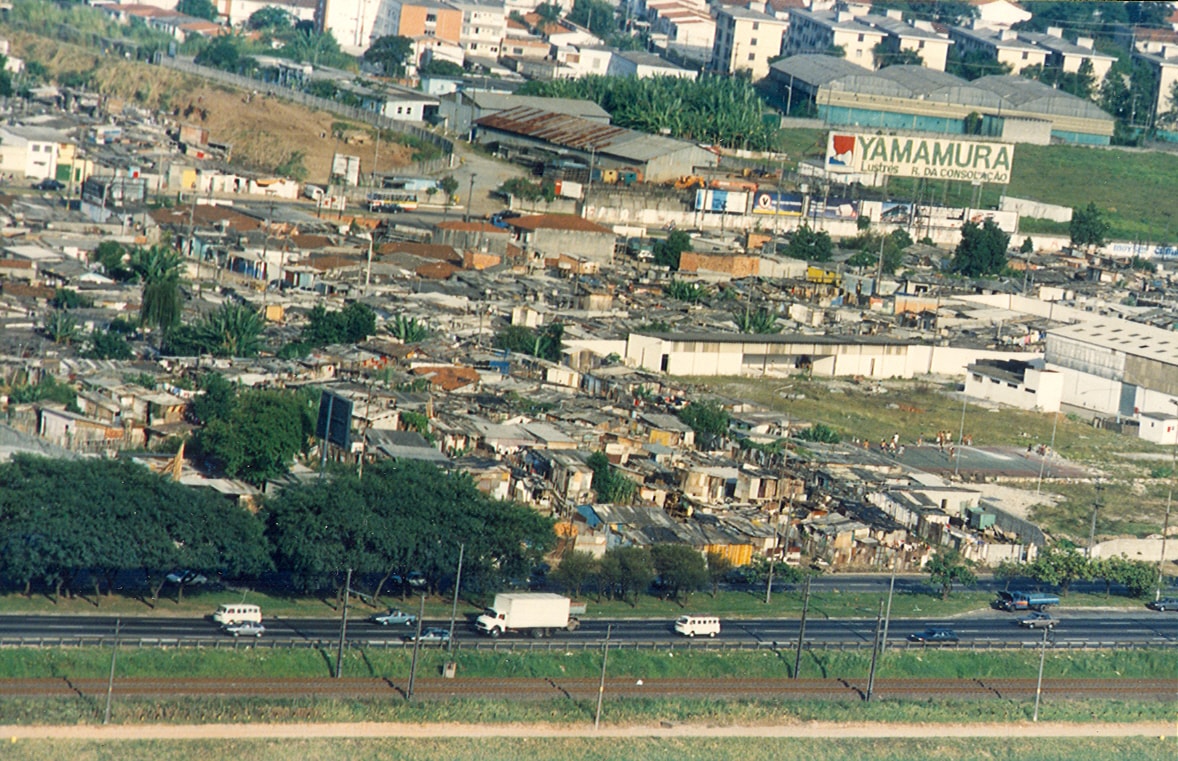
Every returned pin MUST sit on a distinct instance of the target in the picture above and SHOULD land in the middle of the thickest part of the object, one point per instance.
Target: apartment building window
(860, 38)
(1024, 55)
(752, 56)
(920, 45)
(756, 25)
(753, 42)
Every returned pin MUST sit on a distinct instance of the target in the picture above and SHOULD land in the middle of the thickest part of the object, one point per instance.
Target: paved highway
(1075, 628)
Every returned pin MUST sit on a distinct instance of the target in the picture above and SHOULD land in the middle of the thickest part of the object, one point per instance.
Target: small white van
(701, 625)
(238, 614)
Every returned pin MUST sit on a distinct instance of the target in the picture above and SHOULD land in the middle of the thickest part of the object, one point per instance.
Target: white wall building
(351, 22)
(1015, 383)
(484, 25)
(745, 41)
(30, 152)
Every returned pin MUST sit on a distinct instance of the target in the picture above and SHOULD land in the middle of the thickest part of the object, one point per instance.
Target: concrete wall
(1040, 390)
(1147, 550)
(1025, 207)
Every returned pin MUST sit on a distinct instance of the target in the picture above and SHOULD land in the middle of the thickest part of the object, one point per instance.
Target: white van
(693, 625)
(238, 614)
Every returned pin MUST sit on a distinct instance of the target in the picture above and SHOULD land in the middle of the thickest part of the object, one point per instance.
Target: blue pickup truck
(1025, 600)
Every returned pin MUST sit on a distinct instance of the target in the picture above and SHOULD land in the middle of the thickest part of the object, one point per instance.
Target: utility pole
(875, 651)
(110, 682)
(1043, 461)
(960, 434)
(1166, 520)
(802, 626)
(343, 627)
(469, 197)
(875, 290)
(888, 613)
(416, 648)
(457, 587)
(1039, 682)
(368, 267)
(601, 685)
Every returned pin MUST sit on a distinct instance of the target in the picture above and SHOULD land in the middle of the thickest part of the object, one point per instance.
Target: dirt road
(380, 730)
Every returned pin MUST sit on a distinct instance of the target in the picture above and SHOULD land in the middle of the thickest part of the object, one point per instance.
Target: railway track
(586, 689)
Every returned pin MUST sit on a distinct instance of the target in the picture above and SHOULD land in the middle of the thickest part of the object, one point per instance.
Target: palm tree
(409, 330)
(159, 270)
(61, 327)
(234, 330)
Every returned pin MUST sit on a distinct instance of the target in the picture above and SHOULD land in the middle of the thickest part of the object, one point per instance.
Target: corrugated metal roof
(582, 134)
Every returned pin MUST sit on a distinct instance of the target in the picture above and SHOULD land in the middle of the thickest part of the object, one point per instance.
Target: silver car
(244, 629)
(1037, 620)
(394, 616)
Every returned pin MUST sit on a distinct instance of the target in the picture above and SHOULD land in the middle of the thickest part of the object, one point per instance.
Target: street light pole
(1095, 507)
(1039, 682)
(1166, 521)
(457, 586)
(1043, 460)
(343, 627)
(960, 434)
(469, 197)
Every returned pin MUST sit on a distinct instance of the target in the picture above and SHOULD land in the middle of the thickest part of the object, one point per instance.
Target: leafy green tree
(610, 485)
(760, 321)
(440, 67)
(47, 389)
(549, 13)
(270, 17)
(719, 566)
(62, 328)
(391, 53)
(1060, 565)
(1125, 92)
(352, 324)
(820, 432)
(233, 330)
(401, 517)
(626, 571)
(861, 260)
(263, 433)
(947, 567)
(198, 9)
(595, 15)
(1027, 247)
(982, 250)
(408, 330)
(668, 251)
(225, 53)
(159, 270)
(575, 569)
(59, 518)
(974, 64)
(885, 56)
(681, 290)
(680, 568)
(706, 418)
(316, 48)
(1007, 571)
(727, 111)
(545, 343)
(113, 258)
(448, 185)
(107, 344)
(68, 298)
(6, 88)
(217, 399)
(808, 245)
(1088, 227)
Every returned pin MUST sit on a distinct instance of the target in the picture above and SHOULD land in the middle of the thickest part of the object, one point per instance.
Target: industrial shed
(600, 146)
(917, 98)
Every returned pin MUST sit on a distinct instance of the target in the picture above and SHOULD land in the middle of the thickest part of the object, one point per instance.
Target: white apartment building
(745, 41)
(237, 12)
(484, 25)
(351, 22)
(1003, 46)
(688, 27)
(819, 32)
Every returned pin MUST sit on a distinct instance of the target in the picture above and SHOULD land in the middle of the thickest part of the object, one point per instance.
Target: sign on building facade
(935, 158)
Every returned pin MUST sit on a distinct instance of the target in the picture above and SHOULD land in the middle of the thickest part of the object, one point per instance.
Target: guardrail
(557, 644)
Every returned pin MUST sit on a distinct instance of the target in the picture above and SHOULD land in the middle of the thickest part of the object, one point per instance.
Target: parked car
(934, 634)
(1164, 604)
(415, 579)
(394, 616)
(48, 184)
(1037, 620)
(191, 578)
(244, 629)
(431, 635)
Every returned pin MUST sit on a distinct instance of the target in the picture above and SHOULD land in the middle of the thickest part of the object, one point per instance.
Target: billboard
(335, 420)
(937, 158)
(834, 208)
(782, 204)
(728, 201)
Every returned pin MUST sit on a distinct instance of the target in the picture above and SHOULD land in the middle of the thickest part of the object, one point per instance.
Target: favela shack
(933, 158)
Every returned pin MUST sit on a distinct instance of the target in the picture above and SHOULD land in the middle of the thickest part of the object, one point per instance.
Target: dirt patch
(265, 132)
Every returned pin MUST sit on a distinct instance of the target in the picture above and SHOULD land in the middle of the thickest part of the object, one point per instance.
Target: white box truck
(535, 613)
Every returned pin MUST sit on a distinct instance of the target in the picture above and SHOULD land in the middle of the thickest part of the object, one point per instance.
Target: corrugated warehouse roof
(1032, 95)
(582, 134)
(494, 101)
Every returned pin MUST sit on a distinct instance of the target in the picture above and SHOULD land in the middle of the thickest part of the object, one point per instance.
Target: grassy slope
(1134, 189)
(650, 749)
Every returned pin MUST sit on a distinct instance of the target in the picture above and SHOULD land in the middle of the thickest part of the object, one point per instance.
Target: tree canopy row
(68, 526)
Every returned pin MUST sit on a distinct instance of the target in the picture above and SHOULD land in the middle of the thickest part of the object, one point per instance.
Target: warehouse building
(653, 157)
(917, 98)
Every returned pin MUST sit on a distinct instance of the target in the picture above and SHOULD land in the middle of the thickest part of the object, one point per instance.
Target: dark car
(1037, 620)
(49, 184)
(934, 634)
(431, 635)
(1164, 604)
